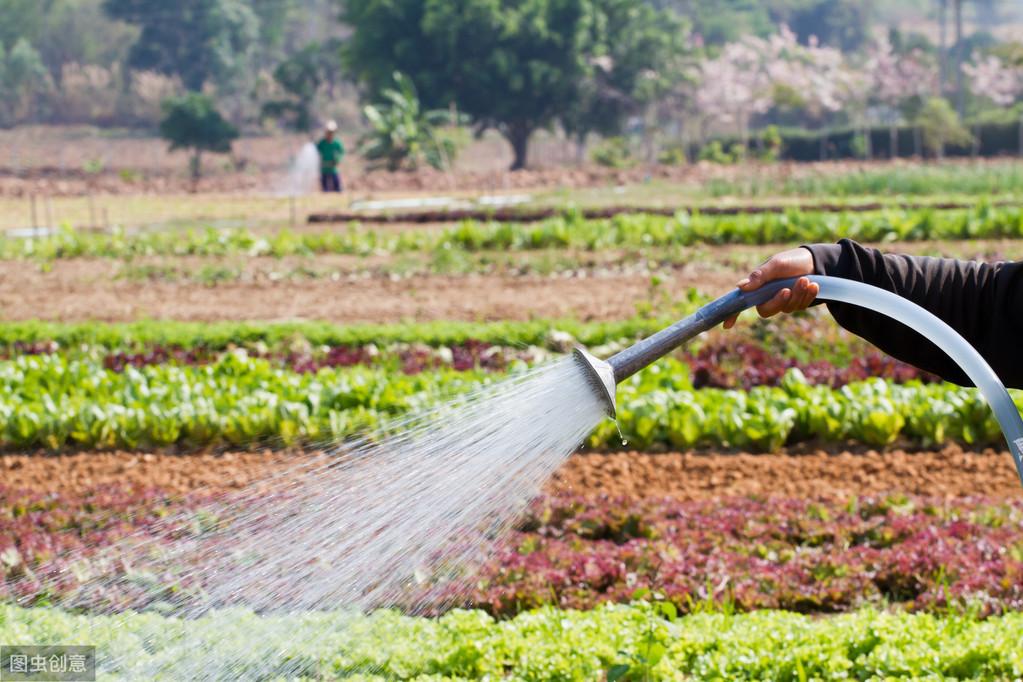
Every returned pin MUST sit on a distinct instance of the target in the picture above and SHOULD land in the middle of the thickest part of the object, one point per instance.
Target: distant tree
(750, 76)
(940, 126)
(902, 82)
(23, 78)
(722, 21)
(995, 80)
(23, 20)
(844, 24)
(197, 40)
(402, 134)
(633, 56)
(274, 17)
(300, 77)
(512, 66)
(999, 81)
(192, 122)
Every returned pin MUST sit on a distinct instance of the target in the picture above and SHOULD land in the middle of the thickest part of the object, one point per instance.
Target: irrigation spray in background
(400, 518)
(302, 173)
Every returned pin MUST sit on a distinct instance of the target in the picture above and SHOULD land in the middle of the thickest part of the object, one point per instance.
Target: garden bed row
(573, 232)
(720, 364)
(641, 641)
(810, 555)
(532, 215)
(54, 402)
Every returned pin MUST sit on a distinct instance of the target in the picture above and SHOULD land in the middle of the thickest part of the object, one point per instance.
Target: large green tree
(512, 65)
(197, 40)
(634, 53)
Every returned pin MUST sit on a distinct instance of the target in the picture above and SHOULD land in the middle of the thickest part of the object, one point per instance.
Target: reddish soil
(950, 472)
(178, 474)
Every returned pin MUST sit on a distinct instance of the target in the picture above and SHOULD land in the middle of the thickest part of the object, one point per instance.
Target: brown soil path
(75, 291)
(950, 472)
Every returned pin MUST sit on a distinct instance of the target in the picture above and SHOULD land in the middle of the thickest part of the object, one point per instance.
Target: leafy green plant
(614, 152)
(54, 401)
(547, 643)
(403, 135)
(772, 144)
(715, 153)
(673, 155)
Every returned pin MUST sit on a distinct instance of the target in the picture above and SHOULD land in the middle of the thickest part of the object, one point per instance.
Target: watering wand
(604, 376)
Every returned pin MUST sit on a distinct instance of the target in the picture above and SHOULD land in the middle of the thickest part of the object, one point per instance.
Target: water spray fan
(605, 376)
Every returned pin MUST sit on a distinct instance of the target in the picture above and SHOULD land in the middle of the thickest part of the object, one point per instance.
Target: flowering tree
(900, 81)
(735, 85)
(753, 74)
(997, 81)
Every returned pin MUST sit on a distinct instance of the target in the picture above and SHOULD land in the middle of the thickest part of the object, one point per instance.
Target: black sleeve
(981, 301)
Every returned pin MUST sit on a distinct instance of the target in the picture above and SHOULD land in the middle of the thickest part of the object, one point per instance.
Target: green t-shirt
(331, 152)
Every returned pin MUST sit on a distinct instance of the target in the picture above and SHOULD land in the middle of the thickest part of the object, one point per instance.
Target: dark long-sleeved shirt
(983, 302)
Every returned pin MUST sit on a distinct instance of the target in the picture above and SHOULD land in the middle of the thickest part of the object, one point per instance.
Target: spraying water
(303, 172)
(396, 519)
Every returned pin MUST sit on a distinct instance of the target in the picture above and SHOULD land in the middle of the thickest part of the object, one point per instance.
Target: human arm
(981, 301)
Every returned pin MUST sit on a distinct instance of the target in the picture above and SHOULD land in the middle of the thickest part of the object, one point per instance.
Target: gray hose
(634, 358)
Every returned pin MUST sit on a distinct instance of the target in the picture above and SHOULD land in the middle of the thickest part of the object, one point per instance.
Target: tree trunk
(195, 168)
(942, 46)
(518, 136)
(893, 142)
(580, 148)
(960, 87)
(917, 142)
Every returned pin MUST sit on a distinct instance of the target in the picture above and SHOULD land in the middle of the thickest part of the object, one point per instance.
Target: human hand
(791, 263)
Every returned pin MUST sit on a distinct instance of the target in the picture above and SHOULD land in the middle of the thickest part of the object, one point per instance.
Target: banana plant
(403, 135)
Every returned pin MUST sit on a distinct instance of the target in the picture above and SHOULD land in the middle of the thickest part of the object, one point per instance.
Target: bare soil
(80, 290)
(950, 472)
(51, 161)
(346, 289)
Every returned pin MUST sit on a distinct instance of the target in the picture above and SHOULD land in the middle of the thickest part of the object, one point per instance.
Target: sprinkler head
(600, 375)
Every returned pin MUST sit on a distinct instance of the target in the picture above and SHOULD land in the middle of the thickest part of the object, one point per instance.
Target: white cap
(330, 126)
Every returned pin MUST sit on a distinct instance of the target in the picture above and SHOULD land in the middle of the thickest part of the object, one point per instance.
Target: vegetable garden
(594, 581)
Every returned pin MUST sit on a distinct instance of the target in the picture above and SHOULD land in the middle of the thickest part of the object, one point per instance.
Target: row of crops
(53, 401)
(813, 555)
(612, 642)
(570, 232)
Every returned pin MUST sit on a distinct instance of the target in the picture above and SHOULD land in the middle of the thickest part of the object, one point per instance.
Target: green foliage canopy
(193, 122)
(197, 40)
(22, 77)
(512, 66)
